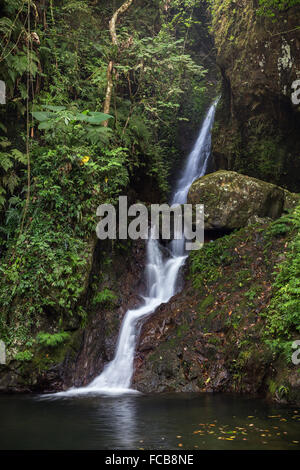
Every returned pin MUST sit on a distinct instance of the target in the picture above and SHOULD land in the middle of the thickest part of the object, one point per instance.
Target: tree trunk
(114, 38)
(109, 88)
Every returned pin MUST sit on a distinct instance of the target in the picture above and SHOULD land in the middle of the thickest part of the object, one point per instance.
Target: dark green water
(177, 421)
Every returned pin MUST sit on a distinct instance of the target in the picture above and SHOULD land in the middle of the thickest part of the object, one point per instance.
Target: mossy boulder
(232, 200)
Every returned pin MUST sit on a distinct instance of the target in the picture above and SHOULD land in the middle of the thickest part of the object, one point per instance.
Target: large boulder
(232, 200)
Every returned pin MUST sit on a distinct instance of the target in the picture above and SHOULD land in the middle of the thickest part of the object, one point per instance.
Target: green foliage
(266, 154)
(271, 7)
(267, 8)
(52, 340)
(206, 264)
(17, 55)
(75, 162)
(281, 391)
(53, 254)
(23, 356)
(105, 297)
(269, 157)
(85, 125)
(285, 224)
(283, 313)
(253, 293)
(9, 160)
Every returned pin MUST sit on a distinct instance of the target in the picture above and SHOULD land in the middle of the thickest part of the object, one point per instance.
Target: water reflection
(197, 421)
(118, 417)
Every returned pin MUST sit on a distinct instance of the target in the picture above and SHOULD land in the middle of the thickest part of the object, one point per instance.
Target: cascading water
(161, 275)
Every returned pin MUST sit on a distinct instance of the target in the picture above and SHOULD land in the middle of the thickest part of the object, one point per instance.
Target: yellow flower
(84, 160)
(106, 179)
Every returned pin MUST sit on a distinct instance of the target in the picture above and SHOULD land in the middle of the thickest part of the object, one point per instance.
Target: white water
(161, 275)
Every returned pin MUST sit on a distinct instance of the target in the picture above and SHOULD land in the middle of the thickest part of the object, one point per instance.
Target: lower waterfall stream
(161, 275)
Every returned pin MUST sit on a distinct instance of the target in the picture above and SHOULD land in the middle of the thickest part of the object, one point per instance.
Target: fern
(8, 161)
(283, 314)
(52, 340)
(6, 25)
(105, 297)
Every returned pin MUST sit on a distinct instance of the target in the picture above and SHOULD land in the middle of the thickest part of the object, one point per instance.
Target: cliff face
(257, 125)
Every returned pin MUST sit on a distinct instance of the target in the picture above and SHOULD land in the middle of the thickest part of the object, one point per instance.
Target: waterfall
(161, 274)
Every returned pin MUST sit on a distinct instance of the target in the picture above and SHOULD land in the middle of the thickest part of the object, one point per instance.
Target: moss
(207, 265)
(214, 340)
(207, 302)
(182, 329)
(208, 320)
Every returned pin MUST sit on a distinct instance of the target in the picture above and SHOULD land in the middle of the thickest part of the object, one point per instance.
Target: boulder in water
(232, 200)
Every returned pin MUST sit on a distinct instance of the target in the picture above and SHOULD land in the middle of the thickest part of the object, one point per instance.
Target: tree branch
(114, 38)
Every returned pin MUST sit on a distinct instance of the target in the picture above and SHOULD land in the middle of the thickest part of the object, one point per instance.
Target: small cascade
(161, 275)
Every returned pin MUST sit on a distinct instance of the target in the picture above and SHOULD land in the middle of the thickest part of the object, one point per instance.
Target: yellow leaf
(84, 160)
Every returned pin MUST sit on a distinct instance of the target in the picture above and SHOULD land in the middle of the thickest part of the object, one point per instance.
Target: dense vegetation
(283, 318)
(58, 160)
(93, 112)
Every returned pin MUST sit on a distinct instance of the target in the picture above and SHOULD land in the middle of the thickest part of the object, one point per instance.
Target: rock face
(210, 336)
(257, 124)
(232, 200)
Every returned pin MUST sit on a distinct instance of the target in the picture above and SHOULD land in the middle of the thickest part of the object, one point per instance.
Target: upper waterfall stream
(161, 275)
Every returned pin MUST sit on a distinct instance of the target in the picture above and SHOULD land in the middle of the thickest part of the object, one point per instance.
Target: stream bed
(168, 421)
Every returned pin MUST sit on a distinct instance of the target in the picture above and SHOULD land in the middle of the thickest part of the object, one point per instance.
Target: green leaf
(54, 108)
(19, 156)
(45, 125)
(41, 116)
(97, 118)
(6, 162)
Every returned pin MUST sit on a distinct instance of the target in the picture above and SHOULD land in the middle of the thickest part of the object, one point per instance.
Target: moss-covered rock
(232, 200)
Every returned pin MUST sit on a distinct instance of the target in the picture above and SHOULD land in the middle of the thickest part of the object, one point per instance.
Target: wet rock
(221, 379)
(254, 219)
(232, 200)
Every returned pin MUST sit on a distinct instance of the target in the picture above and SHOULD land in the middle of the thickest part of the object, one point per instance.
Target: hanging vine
(28, 80)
